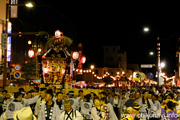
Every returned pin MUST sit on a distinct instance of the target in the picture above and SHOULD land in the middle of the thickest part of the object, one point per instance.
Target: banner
(9, 42)
(14, 8)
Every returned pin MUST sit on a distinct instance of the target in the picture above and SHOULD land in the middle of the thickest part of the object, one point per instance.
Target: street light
(29, 5)
(29, 42)
(151, 53)
(146, 29)
(92, 66)
(117, 78)
(163, 64)
(39, 50)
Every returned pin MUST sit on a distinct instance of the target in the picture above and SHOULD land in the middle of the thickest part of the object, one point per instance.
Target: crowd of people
(132, 103)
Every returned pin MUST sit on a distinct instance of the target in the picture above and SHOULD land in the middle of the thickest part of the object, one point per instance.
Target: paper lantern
(75, 55)
(83, 59)
(31, 53)
(57, 34)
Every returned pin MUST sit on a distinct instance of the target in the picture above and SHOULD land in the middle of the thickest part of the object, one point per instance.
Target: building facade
(114, 57)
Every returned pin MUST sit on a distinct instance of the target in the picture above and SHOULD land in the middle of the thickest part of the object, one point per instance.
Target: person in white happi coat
(96, 109)
(70, 113)
(14, 105)
(59, 101)
(8, 98)
(40, 101)
(156, 114)
(115, 104)
(2, 97)
(121, 105)
(75, 102)
(28, 102)
(178, 99)
(147, 106)
(86, 107)
(107, 110)
(49, 110)
(18, 104)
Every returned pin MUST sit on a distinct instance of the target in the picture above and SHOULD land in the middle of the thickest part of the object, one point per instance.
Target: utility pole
(5, 50)
(158, 59)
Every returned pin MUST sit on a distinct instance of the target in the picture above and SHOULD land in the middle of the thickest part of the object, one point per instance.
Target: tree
(28, 70)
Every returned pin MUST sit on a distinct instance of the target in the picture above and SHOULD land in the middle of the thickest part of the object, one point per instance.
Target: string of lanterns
(105, 75)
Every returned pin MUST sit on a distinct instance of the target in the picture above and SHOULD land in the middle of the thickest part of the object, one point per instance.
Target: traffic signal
(1, 69)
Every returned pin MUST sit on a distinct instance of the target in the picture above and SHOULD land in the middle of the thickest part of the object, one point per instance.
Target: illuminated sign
(9, 43)
(14, 9)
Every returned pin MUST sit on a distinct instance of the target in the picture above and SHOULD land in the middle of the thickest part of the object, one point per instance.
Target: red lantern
(31, 53)
(83, 59)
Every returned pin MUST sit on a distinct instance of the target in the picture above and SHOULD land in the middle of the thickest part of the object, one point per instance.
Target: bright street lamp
(151, 53)
(29, 42)
(146, 29)
(92, 66)
(163, 65)
(39, 50)
(29, 5)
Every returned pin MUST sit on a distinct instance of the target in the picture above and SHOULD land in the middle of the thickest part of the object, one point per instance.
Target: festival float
(57, 67)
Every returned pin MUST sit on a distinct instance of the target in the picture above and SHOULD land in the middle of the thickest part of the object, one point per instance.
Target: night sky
(109, 23)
